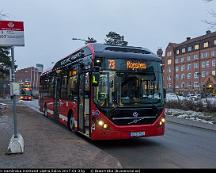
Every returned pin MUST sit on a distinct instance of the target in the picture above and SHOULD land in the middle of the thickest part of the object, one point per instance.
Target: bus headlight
(100, 123)
(162, 121)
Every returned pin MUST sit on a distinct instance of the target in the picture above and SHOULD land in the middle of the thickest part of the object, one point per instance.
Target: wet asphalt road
(181, 147)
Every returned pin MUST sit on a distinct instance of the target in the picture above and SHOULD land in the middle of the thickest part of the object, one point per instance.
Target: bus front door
(83, 110)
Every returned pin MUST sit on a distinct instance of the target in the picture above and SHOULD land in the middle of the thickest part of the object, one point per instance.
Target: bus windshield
(128, 89)
(25, 92)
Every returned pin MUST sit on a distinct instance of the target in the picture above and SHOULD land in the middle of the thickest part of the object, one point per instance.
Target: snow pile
(173, 97)
(191, 115)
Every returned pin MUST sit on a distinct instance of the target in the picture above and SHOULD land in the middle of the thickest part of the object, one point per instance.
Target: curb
(192, 123)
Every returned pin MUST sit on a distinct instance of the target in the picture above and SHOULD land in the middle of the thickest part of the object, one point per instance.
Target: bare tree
(212, 24)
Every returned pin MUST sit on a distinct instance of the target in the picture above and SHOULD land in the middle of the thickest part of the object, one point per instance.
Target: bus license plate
(137, 134)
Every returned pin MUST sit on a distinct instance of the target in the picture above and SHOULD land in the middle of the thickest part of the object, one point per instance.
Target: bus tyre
(45, 111)
(71, 123)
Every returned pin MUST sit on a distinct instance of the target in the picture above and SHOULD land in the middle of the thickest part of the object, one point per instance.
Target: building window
(196, 85)
(169, 53)
(177, 76)
(214, 42)
(196, 75)
(169, 69)
(189, 49)
(196, 65)
(183, 50)
(189, 67)
(213, 62)
(176, 61)
(196, 47)
(207, 63)
(182, 59)
(203, 64)
(205, 45)
(169, 77)
(213, 73)
(204, 55)
(213, 53)
(182, 76)
(182, 68)
(169, 61)
(177, 51)
(182, 84)
(203, 74)
(189, 75)
(177, 68)
(196, 56)
(189, 85)
(188, 58)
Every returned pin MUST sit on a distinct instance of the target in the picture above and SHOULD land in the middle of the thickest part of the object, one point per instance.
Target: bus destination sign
(136, 65)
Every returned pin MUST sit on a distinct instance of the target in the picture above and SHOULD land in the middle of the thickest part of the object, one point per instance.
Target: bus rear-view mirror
(95, 78)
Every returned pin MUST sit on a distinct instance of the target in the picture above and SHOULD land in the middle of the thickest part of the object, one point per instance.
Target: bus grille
(135, 116)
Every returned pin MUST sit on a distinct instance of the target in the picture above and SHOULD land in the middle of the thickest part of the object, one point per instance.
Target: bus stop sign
(11, 33)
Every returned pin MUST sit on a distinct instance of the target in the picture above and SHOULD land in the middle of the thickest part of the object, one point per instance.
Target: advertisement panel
(11, 33)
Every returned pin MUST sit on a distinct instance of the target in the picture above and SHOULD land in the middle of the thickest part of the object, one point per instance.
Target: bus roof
(108, 50)
(124, 52)
(104, 47)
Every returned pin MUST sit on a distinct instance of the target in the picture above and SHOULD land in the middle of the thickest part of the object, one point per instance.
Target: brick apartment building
(190, 67)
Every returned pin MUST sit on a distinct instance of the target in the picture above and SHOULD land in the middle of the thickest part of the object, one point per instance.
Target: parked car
(193, 97)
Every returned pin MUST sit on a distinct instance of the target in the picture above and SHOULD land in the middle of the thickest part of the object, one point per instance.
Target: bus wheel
(45, 111)
(71, 123)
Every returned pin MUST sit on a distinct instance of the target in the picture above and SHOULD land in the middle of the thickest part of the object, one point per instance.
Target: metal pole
(13, 95)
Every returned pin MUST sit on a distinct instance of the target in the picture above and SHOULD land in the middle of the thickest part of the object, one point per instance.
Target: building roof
(198, 39)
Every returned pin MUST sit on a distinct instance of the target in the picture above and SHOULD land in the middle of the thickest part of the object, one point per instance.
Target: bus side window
(87, 86)
(72, 88)
(64, 94)
(51, 87)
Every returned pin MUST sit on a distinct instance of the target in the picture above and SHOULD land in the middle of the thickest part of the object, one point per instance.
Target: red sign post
(12, 34)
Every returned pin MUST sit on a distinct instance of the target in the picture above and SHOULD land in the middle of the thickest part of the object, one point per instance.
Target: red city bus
(25, 91)
(106, 92)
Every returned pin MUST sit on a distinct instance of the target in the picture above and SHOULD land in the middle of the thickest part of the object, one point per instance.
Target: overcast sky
(50, 25)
